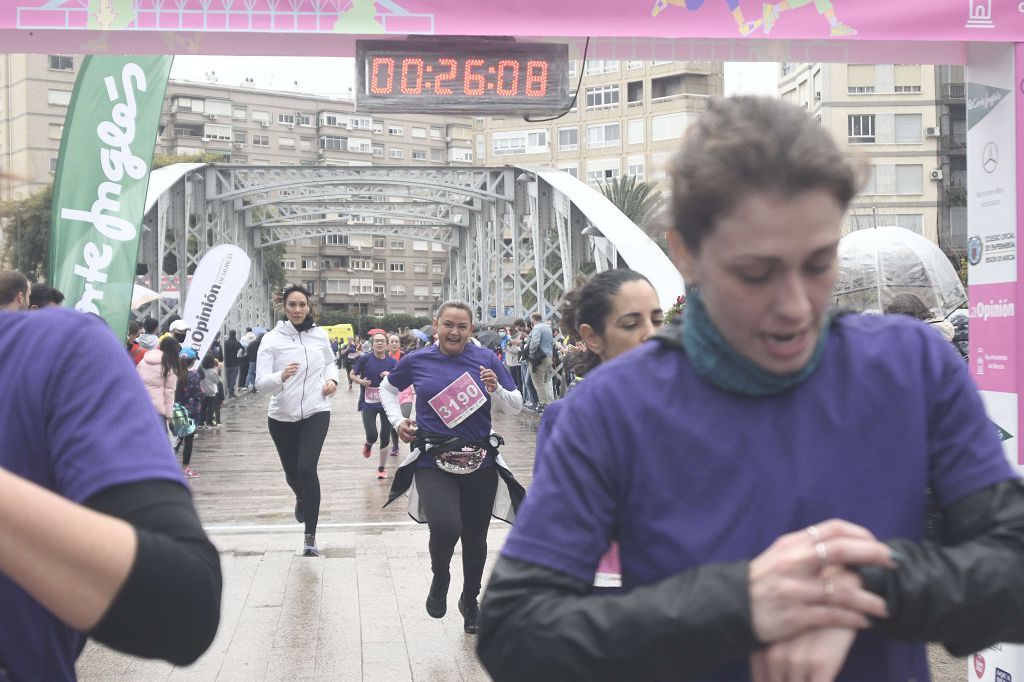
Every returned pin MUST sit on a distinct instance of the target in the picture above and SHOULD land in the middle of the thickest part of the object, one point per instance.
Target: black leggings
(186, 452)
(370, 427)
(298, 445)
(458, 506)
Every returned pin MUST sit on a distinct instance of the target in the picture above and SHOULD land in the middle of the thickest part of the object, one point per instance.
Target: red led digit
(503, 66)
(453, 69)
(408, 65)
(536, 78)
(473, 83)
(375, 68)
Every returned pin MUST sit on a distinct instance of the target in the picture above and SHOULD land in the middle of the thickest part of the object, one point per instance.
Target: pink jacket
(159, 387)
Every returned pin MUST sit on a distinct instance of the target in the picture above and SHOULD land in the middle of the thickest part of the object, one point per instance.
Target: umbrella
(490, 339)
(428, 329)
(420, 335)
(376, 330)
(880, 263)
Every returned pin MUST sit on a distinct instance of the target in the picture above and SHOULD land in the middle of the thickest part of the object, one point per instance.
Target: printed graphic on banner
(993, 328)
(991, 167)
(99, 189)
(1002, 410)
(1003, 676)
(215, 285)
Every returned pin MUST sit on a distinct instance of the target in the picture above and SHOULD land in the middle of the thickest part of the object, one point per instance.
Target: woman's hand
(815, 656)
(800, 583)
(330, 386)
(289, 371)
(407, 430)
(489, 378)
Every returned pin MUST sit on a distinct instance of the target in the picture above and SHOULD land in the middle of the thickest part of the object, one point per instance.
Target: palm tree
(639, 201)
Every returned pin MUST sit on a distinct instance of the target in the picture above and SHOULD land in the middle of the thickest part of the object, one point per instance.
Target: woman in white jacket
(295, 365)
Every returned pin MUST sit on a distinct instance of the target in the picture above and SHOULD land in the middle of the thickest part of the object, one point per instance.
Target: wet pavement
(355, 613)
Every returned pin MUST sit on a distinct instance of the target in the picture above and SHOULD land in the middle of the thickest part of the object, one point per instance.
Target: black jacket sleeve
(169, 606)
(968, 591)
(539, 624)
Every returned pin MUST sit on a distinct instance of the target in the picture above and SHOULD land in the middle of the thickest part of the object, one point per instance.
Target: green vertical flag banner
(99, 192)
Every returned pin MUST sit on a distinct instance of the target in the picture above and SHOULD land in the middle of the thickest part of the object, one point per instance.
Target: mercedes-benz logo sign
(990, 157)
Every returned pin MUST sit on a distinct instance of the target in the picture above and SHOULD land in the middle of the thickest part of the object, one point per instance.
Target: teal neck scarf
(718, 362)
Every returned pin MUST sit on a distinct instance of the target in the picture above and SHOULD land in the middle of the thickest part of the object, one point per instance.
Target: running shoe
(841, 29)
(394, 450)
(366, 450)
(309, 545)
(300, 514)
(470, 615)
(381, 473)
(190, 472)
(659, 7)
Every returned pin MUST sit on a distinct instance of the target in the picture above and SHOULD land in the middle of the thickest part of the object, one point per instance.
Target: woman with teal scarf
(763, 464)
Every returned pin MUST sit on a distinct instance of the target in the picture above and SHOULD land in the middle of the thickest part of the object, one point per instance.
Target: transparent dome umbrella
(879, 263)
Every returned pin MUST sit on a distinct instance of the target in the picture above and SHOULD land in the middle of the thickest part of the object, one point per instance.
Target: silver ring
(815, 535)
(822, 551)
(829, 587)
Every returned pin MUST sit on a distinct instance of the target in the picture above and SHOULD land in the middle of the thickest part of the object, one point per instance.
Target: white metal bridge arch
(516, 236)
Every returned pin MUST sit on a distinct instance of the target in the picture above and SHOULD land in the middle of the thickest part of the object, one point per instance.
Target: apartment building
(362, 274)
(627, 120)
(908, 123)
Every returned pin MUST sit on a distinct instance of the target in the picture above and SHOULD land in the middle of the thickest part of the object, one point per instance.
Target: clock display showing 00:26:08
(449, 76)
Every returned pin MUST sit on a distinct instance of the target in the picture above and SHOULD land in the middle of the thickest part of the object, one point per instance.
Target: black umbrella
(489, 339)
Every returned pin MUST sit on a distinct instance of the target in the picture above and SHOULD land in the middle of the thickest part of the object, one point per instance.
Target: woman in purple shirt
(369, 371)
(763, 465)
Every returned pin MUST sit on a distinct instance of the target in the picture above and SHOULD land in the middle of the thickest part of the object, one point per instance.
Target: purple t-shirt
(75, 419)
(431, 371)
(682, 473)
(370, 367)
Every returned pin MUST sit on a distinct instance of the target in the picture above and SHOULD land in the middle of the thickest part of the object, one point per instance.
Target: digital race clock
(458, 76)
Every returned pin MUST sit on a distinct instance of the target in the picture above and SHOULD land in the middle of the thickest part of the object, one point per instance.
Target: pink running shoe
(381, 473)
(366, 450)
(190, 472)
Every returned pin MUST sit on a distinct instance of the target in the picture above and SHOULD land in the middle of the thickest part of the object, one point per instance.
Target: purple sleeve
(544, 428)
(359, 365)
(101, 428)
(965, 453)
(574, 483)
(401, 375)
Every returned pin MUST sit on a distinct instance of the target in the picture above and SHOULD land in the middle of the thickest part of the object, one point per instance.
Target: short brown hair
(12, 283)
(454, 303)
(742, 145)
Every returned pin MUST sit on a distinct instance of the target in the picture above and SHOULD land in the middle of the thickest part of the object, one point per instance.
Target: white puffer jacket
(301, 396)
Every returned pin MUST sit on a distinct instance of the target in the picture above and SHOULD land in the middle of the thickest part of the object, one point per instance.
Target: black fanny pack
(457, 455)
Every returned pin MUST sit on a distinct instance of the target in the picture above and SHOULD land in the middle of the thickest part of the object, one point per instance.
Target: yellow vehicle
(339, 332)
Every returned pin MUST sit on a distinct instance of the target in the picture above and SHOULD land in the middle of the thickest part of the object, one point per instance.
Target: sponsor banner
(1002, 410)
(991, 165)
(313, 26)
(99, 189)
(993, 333)
(998, 663)
(215, 285)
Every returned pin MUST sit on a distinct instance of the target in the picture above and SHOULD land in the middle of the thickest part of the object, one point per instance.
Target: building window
(217, 132)
(333, 142)
(437, 268)
(333, 120)
(599, 66)
(358, 144)
(360, 123)
(596, 176)
(421, 290)
(60, 62)
(379, 290)
(420, 245)
(286, 119)
(910, 221)
(571, 169)
(909, 179)
(396, 266)
(286, 142)
(360, 264)
(908, 128)
(462, 155)
(396, 130)
(861, 128)
(261, 117)
(419, 268)
(53, 164)
(635, 93)
(418, 132)
(396, 153)
(669, 127)
(56, 131)
(603, 135)
(239, 136)
(602, 97)
(261, 140)
(306, 144)
(397, 290)
(635, 167)
(304, 119)
(309, 264)
(380, 266)
(438, 154)
(508, 143)
(288, 263)
(635, 131)
(860, 79)
(378, 151)
(398, 244)
(239, 113)
(336, 240)
(379, 242)
(60, 98)
(634, 64)
(419, 154)
(907, 78)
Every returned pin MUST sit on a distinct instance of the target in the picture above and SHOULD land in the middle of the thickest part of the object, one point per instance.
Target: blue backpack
(181, 424)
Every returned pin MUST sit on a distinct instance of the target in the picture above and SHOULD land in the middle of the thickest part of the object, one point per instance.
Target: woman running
(369, 371)
(295, 365)
(454, 466)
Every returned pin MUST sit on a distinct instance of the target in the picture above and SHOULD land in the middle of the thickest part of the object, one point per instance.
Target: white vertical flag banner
(216, 283)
